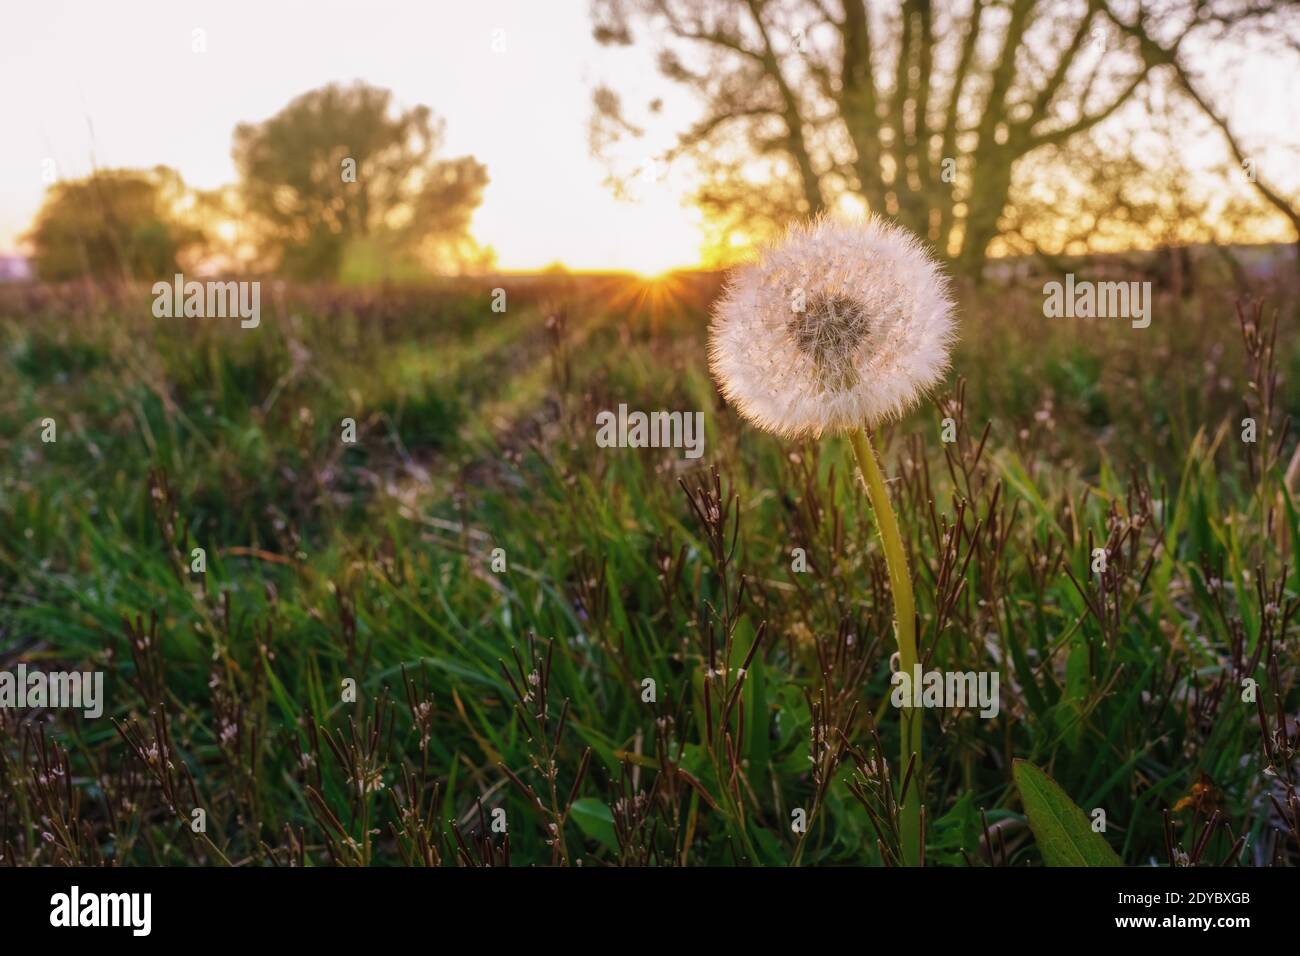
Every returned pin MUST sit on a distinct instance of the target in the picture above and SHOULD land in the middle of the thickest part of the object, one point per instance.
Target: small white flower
(839, 326)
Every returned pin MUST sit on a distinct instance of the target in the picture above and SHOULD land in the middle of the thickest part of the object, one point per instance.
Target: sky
(126, 72)
(512, 79)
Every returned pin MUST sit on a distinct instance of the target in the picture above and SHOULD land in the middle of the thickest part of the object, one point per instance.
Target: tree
(1271, 21)
(919, 111)
(339, 169)
(1129, 188)
(114, 224)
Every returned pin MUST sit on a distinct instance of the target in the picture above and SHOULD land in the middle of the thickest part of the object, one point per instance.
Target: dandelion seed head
(840, 325)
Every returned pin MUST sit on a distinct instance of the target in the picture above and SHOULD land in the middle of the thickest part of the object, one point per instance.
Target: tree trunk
(990, 186)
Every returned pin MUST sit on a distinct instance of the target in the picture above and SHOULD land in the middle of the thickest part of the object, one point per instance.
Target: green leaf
(768, 847)
(596, 821)
(1063, 834)
(958, 829)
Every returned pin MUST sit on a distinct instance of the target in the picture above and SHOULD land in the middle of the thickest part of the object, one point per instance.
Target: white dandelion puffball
(838, 326)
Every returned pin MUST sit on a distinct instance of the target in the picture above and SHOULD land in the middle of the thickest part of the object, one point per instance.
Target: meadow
(473, 636)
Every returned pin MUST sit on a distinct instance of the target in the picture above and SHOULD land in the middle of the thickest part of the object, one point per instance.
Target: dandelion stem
(900, 583)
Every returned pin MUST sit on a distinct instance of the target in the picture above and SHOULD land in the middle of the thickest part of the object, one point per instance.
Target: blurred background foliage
(339, 185)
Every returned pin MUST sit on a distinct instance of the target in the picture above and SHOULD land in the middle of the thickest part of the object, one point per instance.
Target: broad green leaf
(957, 830)
(596, 821)
(1063, 833)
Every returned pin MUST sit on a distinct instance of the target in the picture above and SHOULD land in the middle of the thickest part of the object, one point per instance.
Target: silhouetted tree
(920, 109)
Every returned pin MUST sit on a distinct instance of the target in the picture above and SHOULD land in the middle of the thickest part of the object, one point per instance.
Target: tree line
(338, 183)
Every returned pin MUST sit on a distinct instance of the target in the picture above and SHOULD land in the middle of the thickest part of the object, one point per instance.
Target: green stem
(900, 582)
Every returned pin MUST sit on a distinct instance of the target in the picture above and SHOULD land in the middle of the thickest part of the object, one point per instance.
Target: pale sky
(128, 68)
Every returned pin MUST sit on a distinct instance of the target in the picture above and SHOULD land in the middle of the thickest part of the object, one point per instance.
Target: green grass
(374, 562)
